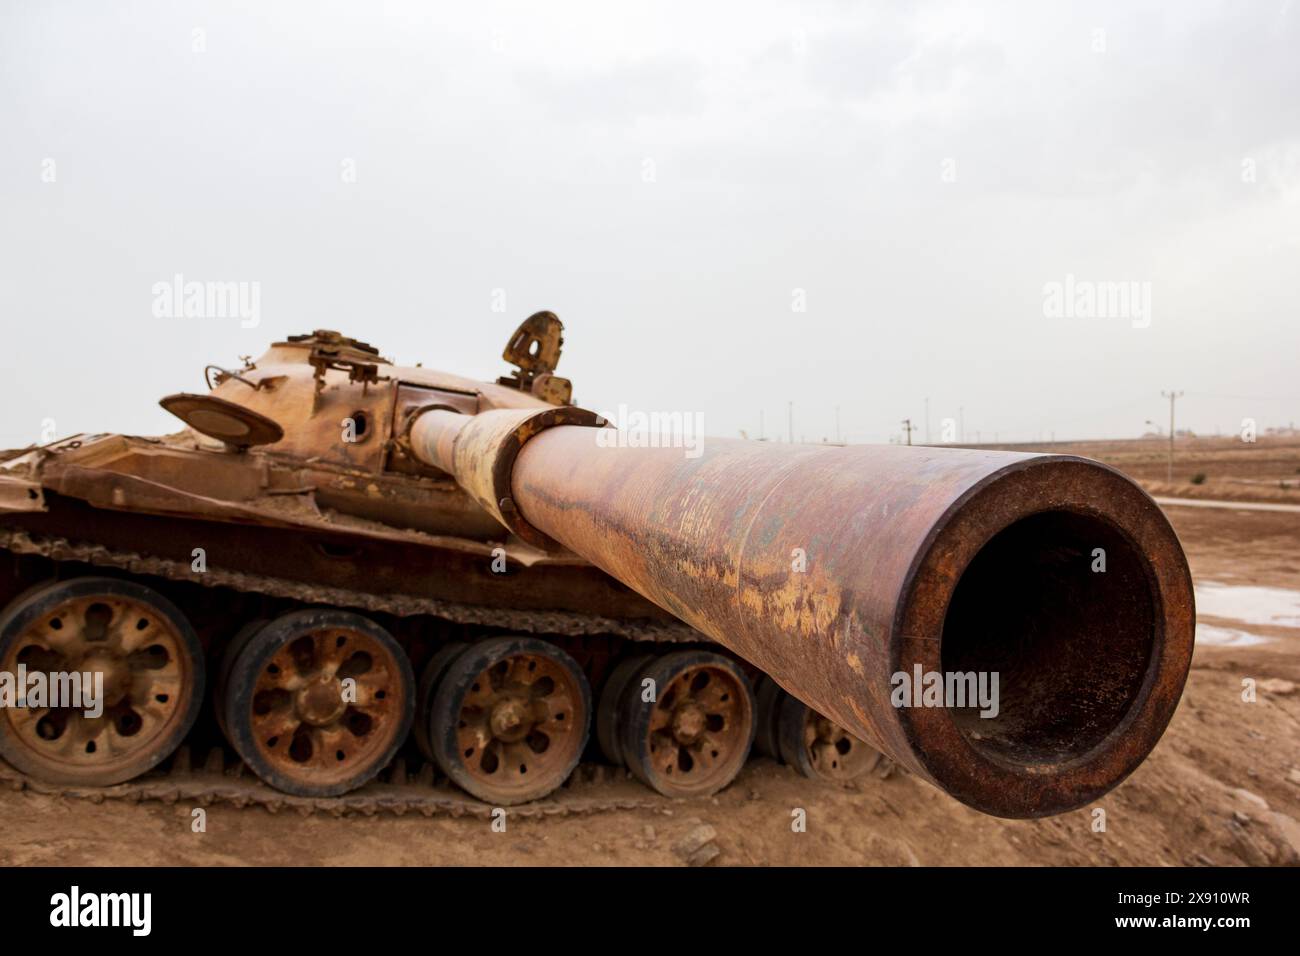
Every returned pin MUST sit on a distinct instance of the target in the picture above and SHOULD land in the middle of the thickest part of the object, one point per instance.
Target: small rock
(1253, 850)
(1289, 829)
(886, 851)
(704, 855)
(1294, 776)
(696, 837)
(1249, 797)
(1276, 685)
(1240, 817)
(649, 833)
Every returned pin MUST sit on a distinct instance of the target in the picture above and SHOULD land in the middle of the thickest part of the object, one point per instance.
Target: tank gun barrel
(1014, 628)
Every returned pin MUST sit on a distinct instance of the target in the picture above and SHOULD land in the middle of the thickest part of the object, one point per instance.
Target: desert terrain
(1222, 787)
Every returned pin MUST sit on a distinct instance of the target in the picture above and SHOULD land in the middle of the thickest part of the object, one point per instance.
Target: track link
(220, 778)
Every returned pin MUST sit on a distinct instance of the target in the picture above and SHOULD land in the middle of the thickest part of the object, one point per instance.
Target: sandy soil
(1267, 469)
(1222, 787)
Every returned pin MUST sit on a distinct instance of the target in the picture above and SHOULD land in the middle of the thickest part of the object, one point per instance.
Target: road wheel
(818, 747)
(146, 655)
(318, 701)
(694, 737)
(510, 719)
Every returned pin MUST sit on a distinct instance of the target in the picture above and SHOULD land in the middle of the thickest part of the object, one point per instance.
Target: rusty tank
(339, 563)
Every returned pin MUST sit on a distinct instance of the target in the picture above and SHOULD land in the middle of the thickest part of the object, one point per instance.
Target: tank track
(566, 623)
(220, 778)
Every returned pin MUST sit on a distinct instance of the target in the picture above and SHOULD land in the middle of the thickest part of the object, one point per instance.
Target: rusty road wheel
(609, 710)
(694, 738)
(818, 747)
(318, 701)
(430, 678)
(510, 719)
(152, 671)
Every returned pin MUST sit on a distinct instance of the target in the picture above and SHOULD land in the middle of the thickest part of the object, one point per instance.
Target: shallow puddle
(1269, 607)
(1226, 636)
(1274, 607)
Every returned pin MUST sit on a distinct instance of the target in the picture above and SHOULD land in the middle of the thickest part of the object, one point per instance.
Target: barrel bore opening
(1070, 643)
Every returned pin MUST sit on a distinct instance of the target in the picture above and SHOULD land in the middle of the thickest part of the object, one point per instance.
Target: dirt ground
(1222, 787)
(1267, 469)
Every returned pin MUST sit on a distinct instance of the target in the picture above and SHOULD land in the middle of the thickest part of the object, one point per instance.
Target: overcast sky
(676, 181)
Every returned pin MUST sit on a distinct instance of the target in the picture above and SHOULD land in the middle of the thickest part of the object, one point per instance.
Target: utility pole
(909, 428)
(790, 421)
(1173, 397)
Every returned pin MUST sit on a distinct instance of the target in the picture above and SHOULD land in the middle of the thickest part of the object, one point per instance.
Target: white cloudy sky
(793, 146)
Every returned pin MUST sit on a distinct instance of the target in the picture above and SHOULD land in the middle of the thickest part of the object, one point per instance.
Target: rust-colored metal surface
(836, 569)
(480, 452)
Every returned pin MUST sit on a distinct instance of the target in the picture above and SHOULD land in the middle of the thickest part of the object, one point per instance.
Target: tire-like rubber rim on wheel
(609, 708)
(225, 664)
(430, 678)
(768, 696)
